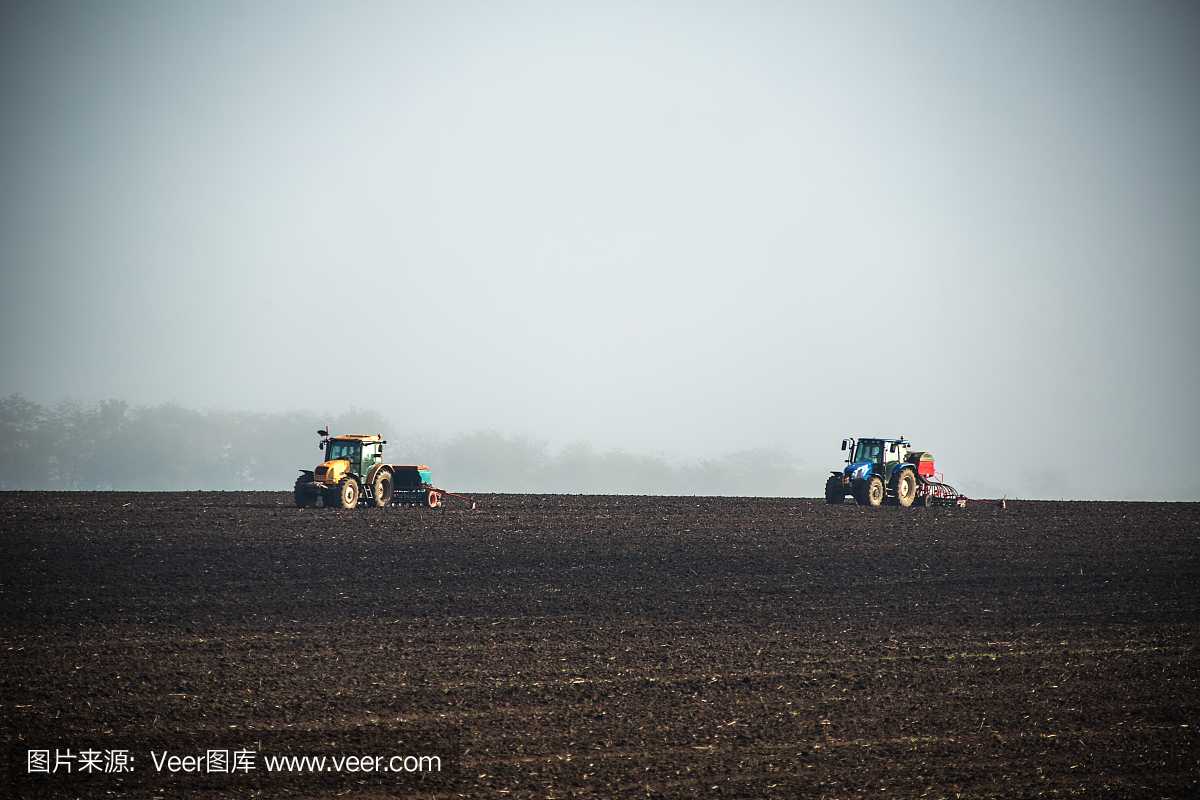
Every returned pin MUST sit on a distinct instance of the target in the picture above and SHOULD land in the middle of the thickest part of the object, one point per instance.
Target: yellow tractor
(353, 472)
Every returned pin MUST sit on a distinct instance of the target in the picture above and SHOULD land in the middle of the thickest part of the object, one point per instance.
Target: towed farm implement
(354, 473)
(887, 470)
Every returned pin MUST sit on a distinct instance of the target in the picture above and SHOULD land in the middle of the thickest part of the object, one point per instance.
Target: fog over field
(657, 247)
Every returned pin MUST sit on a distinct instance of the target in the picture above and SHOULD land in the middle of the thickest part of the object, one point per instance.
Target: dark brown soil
(627, 646)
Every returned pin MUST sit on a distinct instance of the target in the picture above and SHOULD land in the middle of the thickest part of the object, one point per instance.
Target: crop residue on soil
(629, 646)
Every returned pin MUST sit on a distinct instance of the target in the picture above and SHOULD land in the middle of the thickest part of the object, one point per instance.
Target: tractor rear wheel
(300, 495)
(906, 488)
(348, 492)
(873, 492)
(835, 493)
(381, 492)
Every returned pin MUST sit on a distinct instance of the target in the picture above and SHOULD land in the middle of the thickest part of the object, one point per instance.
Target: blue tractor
(879, 470)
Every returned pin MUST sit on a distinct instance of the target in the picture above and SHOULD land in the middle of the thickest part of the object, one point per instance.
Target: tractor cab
(876, 452)
(353, 456)
(362, 452)
(867, 458)
(871, 450)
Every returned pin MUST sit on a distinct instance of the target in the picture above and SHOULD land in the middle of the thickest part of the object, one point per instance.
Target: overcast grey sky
(680, 228)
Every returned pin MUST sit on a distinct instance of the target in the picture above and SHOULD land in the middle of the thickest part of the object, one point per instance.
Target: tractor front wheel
(873, 492)
(381, 492)
(348, 493)
(906, 488)
(835, 492)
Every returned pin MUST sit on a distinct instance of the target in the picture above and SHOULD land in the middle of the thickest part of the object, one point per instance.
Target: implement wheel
(835, 492)
(433, 499)
(348, 493)
(381, 491)
(906, 488)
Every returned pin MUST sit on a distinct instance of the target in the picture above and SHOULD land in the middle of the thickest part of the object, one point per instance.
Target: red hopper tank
(924, 462)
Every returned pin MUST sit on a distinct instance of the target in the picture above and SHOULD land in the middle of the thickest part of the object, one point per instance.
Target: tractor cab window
(869, 451)
(348, 450)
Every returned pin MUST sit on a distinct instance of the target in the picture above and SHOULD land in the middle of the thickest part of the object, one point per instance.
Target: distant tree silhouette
(112, 445)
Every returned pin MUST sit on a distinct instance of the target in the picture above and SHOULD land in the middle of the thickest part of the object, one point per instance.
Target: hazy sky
(682, 228)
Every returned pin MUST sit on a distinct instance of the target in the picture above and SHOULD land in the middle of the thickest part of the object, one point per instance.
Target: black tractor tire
(872, 492)
(835, 492)
(906, 488)
(381, 491)
(301, 496)
(348, 492)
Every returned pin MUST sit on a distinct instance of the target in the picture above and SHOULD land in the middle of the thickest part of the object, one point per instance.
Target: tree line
(112, 445)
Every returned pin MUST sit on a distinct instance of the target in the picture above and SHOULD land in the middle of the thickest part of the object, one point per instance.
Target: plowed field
(619, 646)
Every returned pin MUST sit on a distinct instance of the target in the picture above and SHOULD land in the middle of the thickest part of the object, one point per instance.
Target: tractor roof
(365, 438)
(876, 439)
